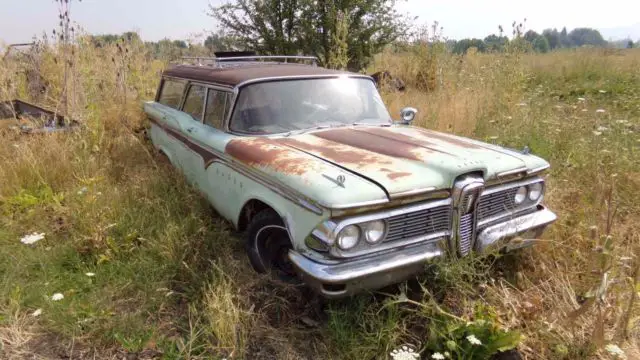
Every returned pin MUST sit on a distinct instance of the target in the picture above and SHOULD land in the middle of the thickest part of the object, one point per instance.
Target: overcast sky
(157, 19)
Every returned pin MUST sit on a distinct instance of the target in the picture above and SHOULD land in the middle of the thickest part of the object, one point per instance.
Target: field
(147, 269)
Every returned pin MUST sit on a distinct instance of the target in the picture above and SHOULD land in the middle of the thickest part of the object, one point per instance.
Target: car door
(164, 112)
(214, 178)
(189, 122)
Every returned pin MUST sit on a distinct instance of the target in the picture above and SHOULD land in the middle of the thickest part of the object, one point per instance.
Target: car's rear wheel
(268, 244)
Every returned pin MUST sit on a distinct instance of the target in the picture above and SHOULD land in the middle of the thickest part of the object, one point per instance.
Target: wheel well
(249, 210)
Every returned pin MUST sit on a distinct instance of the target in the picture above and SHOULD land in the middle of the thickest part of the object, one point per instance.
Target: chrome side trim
(217, 156)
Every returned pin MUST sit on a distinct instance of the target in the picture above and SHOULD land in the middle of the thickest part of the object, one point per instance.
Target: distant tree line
(550, 39)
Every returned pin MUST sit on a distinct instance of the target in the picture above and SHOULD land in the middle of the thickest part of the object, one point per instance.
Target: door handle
(191, 130)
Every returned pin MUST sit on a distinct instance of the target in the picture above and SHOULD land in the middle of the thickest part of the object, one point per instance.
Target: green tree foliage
(220, 42)
(463, 45)
(531, 36)
(553, 37)
(541, 44)
(630, 44)
(309, 26)
(495, 43)
(586, 36)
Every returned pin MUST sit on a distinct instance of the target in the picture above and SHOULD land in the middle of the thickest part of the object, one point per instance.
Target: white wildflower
(32, 238)
(584, 110)
(405, 353)
(447, 354)
(615, 350)
(57, 297)
(90, 274)
(622, 121)
(474, 340)
(509, 118)
(522, 104)
(493, 137)
(581, 99)
(437, 356)
(597, 133)
(558, 106)
(83, 190)
(600, 111)
(602, 91)
(602, 128)
(36, 313)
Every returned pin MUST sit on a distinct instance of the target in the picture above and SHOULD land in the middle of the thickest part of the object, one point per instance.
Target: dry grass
(171, 278)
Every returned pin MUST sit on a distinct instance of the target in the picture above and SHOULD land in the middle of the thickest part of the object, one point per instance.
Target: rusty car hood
(399, 160)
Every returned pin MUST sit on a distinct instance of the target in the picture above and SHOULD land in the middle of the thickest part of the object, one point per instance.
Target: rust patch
(376, 144)
(450, 139)
(397, 175)
(422, 139)
(264, 152)
(333, 152)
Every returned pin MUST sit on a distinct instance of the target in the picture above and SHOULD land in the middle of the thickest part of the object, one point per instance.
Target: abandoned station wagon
(326, 187)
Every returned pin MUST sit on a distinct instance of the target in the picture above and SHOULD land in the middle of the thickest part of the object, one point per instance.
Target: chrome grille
(419, 223)
(465, 233)
(496, 203)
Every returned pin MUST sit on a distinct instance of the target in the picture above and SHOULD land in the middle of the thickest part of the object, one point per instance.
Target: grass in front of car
(168, 276)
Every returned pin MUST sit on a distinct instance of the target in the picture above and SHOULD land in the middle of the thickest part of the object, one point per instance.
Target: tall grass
(172, 279)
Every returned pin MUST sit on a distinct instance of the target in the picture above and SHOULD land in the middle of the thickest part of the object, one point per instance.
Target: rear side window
(171, 93)
(194, 103)
(217, 108)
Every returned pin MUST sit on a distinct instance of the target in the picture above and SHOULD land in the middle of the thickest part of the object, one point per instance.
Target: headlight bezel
(358, 236)
(366, 228)
(523, 196)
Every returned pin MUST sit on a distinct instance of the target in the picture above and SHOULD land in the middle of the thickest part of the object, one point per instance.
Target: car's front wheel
(267, 242)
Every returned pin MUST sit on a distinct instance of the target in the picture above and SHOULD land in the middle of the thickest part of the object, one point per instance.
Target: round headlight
(535, 191)
(374, 231)
(348, 237)
(521, 195)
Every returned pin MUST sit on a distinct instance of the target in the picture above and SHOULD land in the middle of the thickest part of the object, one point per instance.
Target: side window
(171, 93)
(216, 108)
(194, 103)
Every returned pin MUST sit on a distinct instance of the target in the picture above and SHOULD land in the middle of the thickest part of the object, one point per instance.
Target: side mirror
(407, 115)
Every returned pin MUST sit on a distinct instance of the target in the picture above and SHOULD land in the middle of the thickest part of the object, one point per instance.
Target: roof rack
(236, 61)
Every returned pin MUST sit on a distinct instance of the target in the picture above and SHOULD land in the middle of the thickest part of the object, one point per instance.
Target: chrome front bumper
(345, 278)
(515, 233)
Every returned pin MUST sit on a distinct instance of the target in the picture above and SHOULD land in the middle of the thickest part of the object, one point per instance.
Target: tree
(586, 36)
(531, 35)
(541, 44)
(292, 27)
(220, 42)
(495, 43)
(463, 45)
(553, 38)
(630, 44)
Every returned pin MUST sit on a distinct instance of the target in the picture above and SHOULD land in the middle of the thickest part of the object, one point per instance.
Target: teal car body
(362, 201)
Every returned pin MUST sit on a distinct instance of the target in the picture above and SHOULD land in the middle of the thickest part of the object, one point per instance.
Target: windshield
(290, 105)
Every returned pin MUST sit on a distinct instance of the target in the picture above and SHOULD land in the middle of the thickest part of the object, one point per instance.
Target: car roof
(237, 75)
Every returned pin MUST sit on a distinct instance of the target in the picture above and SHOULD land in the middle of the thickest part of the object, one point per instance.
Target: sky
(184, 19)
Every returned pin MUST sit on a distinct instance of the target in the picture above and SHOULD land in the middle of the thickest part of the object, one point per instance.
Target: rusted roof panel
(233, 76)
